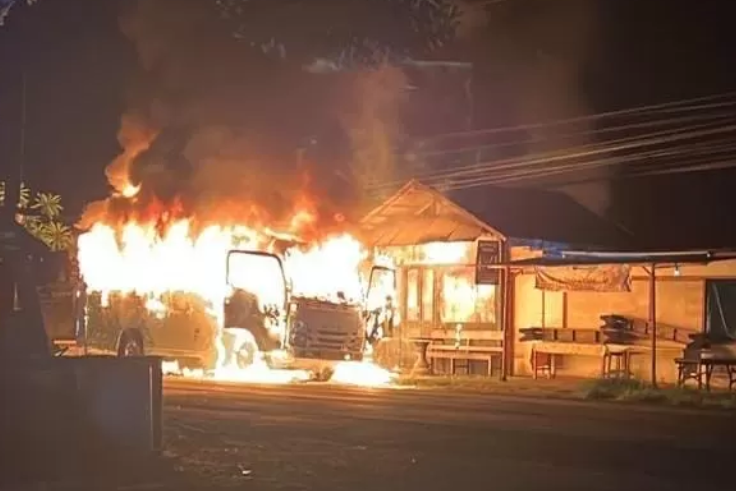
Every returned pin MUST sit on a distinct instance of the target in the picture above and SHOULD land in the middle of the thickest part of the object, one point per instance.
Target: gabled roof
(534, 214)
(418, 213)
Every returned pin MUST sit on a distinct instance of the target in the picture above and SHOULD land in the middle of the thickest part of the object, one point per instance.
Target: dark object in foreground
(63, 417)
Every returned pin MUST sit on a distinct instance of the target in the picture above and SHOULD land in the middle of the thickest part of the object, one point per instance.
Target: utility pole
(16, 244)
(11, 175)
(13, 171)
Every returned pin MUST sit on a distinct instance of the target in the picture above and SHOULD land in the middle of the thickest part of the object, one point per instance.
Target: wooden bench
(615, 358)
(701, 370)
(464, 346)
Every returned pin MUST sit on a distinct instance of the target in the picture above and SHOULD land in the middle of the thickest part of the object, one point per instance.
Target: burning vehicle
(227, 298)
(222, 248)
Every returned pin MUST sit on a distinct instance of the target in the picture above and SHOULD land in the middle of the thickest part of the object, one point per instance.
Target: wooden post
(510, 336)
(506, 319)
(504, 322)
(653, 319)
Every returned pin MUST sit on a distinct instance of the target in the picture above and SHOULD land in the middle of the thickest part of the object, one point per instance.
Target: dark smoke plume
(544, 48)
(215, 130)
(226, 122)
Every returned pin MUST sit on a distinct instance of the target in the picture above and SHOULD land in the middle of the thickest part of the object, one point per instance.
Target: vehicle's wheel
(246, 354)
(130, 345)
(241, 348)
(323, 375)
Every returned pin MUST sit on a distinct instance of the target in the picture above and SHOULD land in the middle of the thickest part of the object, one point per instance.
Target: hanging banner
(488, 255)
(608, 278)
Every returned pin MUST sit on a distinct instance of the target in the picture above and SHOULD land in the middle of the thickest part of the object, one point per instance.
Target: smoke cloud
(221, 132)
(373, 116)
(545, 46)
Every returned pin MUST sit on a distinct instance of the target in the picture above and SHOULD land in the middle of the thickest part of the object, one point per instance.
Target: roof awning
(592, 258)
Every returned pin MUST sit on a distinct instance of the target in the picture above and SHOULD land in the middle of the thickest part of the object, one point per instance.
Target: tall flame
(328, 269)
(141, 258)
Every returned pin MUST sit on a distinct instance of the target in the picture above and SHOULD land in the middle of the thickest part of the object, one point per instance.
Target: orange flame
(135, 137)
(136, 244)
(140, 258)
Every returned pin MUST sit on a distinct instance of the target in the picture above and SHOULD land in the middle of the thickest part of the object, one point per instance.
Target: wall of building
(680, 302)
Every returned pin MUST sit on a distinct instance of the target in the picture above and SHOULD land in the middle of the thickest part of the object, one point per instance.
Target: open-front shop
(656, 311)
(478, 295)
(450, 309)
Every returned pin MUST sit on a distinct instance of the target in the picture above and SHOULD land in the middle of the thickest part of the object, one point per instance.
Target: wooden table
(701, 370)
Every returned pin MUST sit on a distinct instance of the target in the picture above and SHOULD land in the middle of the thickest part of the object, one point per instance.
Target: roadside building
(490, 275)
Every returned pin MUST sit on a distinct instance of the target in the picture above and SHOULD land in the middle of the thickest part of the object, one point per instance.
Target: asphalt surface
(325, 437)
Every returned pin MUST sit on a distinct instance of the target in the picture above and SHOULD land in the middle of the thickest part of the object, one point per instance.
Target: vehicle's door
(173, 321)
(259, 294)
(380, 302)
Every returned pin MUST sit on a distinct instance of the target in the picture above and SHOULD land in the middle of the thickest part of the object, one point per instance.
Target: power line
(704, 166)
(561, 170)
(707, 165)
(612, 129)
(653, 159)
(652, 108)
(705, 154)
(655, 138)
(536, 166)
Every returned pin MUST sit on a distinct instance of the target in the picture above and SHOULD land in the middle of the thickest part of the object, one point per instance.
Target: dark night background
(80, 67)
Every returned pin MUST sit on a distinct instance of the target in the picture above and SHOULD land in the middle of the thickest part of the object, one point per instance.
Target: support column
(506, 317)
(510, 333)
(653, 319)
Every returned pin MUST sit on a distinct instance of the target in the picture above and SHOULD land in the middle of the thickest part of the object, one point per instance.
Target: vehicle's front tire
(246, 354)
(323, 375)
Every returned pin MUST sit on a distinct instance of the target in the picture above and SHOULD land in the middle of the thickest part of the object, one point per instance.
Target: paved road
(334, 438)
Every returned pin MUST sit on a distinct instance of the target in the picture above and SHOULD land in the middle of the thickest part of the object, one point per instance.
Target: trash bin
(78, 416)
(121, 400)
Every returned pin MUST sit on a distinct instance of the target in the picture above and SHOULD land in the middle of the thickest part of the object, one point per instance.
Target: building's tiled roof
(533, 214)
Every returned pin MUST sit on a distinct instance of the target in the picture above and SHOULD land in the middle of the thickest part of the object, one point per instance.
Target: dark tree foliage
(7, 5)
(345, 32)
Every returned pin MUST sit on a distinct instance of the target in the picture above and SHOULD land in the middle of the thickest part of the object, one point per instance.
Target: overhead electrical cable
(681, 105)
(654, 138)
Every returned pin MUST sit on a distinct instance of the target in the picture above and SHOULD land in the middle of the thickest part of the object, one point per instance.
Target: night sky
(616, 54)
